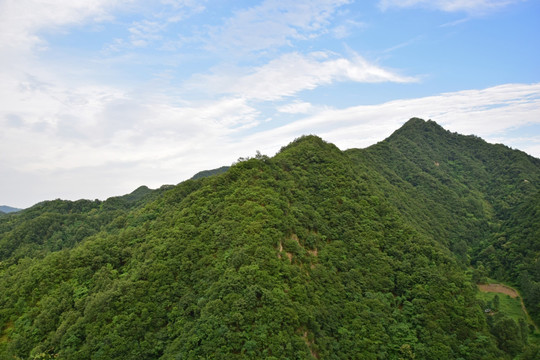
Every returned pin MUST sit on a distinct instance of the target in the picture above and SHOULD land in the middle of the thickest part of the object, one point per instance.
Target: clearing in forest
(498, 288)
(507, 290)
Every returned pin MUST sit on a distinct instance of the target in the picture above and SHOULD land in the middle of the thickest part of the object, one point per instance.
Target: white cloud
(470, 6)
(68, 127)
(274, 23)
(292, 73)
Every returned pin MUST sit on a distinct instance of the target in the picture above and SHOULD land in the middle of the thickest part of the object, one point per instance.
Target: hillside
(313, 253)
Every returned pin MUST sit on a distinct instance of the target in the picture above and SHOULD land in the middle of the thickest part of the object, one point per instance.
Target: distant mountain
(8, 209)
(315, 253)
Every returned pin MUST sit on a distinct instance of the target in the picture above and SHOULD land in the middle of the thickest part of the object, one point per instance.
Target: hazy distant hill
(8, 209)
(314, 253)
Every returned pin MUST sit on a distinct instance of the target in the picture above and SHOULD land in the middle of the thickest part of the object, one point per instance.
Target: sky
(99, 97)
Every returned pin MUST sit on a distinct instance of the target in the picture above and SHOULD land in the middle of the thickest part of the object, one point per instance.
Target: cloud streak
(469, 6)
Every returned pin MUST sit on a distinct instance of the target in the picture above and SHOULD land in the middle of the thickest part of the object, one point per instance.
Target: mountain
(8, 209)
(469, 195)
(313, 253)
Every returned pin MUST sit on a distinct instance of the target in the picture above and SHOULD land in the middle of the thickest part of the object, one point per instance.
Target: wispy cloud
(402, 45)
(21, 20)
(274, 24)
(144, 32)
(347, 27)
(456, 22)
(154, 26)
(292, 73)
(470, 6)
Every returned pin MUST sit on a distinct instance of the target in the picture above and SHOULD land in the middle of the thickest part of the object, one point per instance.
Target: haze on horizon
(99, 97)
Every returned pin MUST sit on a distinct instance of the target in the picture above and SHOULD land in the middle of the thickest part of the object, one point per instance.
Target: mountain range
(314, 253)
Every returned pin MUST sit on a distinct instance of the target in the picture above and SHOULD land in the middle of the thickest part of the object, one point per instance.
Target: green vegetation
(501, 303)
(314, 253)
(516, 249)
(509, 323)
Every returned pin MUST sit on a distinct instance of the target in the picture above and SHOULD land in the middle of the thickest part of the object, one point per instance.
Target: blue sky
(99, 97)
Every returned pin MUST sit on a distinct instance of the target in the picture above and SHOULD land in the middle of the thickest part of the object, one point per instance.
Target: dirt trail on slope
(507, 290)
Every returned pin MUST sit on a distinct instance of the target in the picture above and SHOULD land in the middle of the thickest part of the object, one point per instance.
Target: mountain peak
(308, 142)
(416, 122)
(420, 131)
(137, 194)
(420, 125)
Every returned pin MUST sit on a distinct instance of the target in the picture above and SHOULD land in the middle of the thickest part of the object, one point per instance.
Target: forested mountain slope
(469, 195)
(58, 224)
(314, 253)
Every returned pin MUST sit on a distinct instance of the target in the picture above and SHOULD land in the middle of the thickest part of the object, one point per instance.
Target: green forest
(314, 253)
